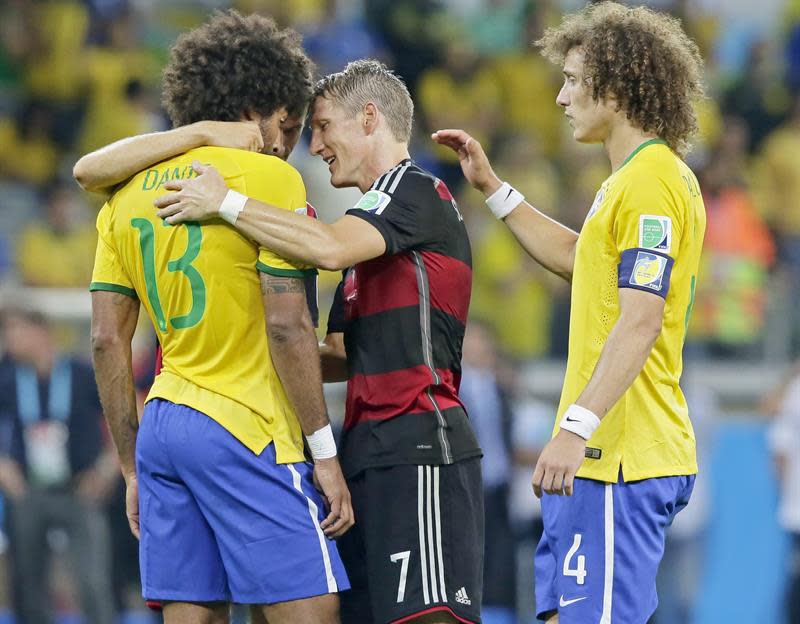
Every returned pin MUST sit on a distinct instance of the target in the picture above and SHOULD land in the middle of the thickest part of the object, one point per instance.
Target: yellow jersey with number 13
(199, 284)
(644, 231)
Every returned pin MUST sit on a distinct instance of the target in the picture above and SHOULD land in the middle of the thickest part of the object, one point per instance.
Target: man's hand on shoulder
(330, 482)
(194, 199)
(474, 163)
(244, 135)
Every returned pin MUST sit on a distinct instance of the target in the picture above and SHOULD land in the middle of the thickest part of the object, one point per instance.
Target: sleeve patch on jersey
(655, 232)
(373, 201)
(644, 270)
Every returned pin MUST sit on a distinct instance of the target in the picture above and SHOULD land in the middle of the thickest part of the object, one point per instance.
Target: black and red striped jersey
(403, 316)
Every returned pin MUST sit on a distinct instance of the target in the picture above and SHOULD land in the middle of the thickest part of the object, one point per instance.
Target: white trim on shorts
(429, 517)
(608, 582)
(313, 510)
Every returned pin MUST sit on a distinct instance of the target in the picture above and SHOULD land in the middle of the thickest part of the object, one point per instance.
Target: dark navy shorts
(601, 547)
(219, 523)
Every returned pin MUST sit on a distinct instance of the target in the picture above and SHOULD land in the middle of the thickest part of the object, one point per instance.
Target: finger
(333, 516)
(199, 168)
(547, 480)
(452, 143)
(170, 210)
(345, 521)
(473, 147)
(179, 217)
(134, 524)
(536, 481)
(558, 483)
(175, 185)
(258, 143)
(452, 134)
(166, 200)
(569, 481)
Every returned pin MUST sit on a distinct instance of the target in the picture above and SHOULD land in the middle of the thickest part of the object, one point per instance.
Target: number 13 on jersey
(182, 265)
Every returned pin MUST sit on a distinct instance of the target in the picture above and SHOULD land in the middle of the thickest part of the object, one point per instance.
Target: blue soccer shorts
(597, 560)
(219, 523)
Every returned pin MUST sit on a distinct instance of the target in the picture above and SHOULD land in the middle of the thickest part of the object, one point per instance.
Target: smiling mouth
(329, 161)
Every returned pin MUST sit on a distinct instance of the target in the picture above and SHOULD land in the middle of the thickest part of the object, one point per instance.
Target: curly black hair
(234, 64)
(642, 59)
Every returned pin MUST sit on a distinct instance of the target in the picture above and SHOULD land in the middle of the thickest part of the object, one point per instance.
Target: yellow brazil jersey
(200, 286)
(645, 231)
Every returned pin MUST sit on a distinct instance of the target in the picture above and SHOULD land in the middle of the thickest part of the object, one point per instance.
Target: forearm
(103, 169)
(333, 364)
(623, 356)
(295, 355)
(547, 241)
(114, 374)
(292, 235)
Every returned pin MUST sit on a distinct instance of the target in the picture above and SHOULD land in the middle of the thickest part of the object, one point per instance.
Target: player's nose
(278, 147)
(315, 146)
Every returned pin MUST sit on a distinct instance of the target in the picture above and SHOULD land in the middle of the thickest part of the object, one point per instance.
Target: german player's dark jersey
(403, 317)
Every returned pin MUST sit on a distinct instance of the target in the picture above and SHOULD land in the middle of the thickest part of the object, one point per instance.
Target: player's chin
(338, 182)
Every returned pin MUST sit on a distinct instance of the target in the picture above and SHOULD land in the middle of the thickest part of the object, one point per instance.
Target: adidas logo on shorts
(461, 596)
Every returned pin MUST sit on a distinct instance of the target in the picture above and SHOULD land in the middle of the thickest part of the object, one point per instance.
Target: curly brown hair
(235, 64)
(641, 59)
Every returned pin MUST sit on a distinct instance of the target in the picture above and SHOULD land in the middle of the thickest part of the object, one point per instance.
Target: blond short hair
(371, 81)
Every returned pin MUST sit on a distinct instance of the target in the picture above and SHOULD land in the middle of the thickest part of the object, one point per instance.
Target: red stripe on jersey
(418, 614)
(384, 396)
(390, 282)
(381, 284)
(443, 191)
(450, 283)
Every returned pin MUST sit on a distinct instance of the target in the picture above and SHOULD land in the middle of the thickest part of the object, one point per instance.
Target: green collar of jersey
(641, 147)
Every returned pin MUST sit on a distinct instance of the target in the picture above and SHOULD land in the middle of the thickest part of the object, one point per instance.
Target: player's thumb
(472, 147)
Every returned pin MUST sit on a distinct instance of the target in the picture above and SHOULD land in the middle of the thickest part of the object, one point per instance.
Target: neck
(622, 141)
(43, 362)
(386, 157)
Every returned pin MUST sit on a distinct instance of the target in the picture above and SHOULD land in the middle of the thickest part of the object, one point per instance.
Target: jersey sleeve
(647, 232)
(405, 223)
(108, 273)
(336, 318)
(293, 200)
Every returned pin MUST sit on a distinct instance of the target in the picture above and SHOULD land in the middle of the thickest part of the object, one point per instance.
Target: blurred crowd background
(78, 74)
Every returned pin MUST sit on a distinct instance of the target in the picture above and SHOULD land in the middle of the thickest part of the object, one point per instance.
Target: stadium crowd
(78, 74)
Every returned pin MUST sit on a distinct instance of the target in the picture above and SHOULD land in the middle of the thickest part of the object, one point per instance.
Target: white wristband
(231, 206)
(580, 421)
(321, 443)
(504, 200)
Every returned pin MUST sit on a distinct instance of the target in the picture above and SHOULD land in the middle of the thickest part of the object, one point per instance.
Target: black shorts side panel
(417, 545)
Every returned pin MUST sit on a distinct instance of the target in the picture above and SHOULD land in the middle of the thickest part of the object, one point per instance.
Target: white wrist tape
(504, 200)
(231, 206)
(580, 421)
(321, 443)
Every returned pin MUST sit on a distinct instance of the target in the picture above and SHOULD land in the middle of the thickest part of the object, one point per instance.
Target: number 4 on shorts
(401, 586)
(579, 572)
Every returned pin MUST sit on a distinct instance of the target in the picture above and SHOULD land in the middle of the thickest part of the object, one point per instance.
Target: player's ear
(370, 117)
